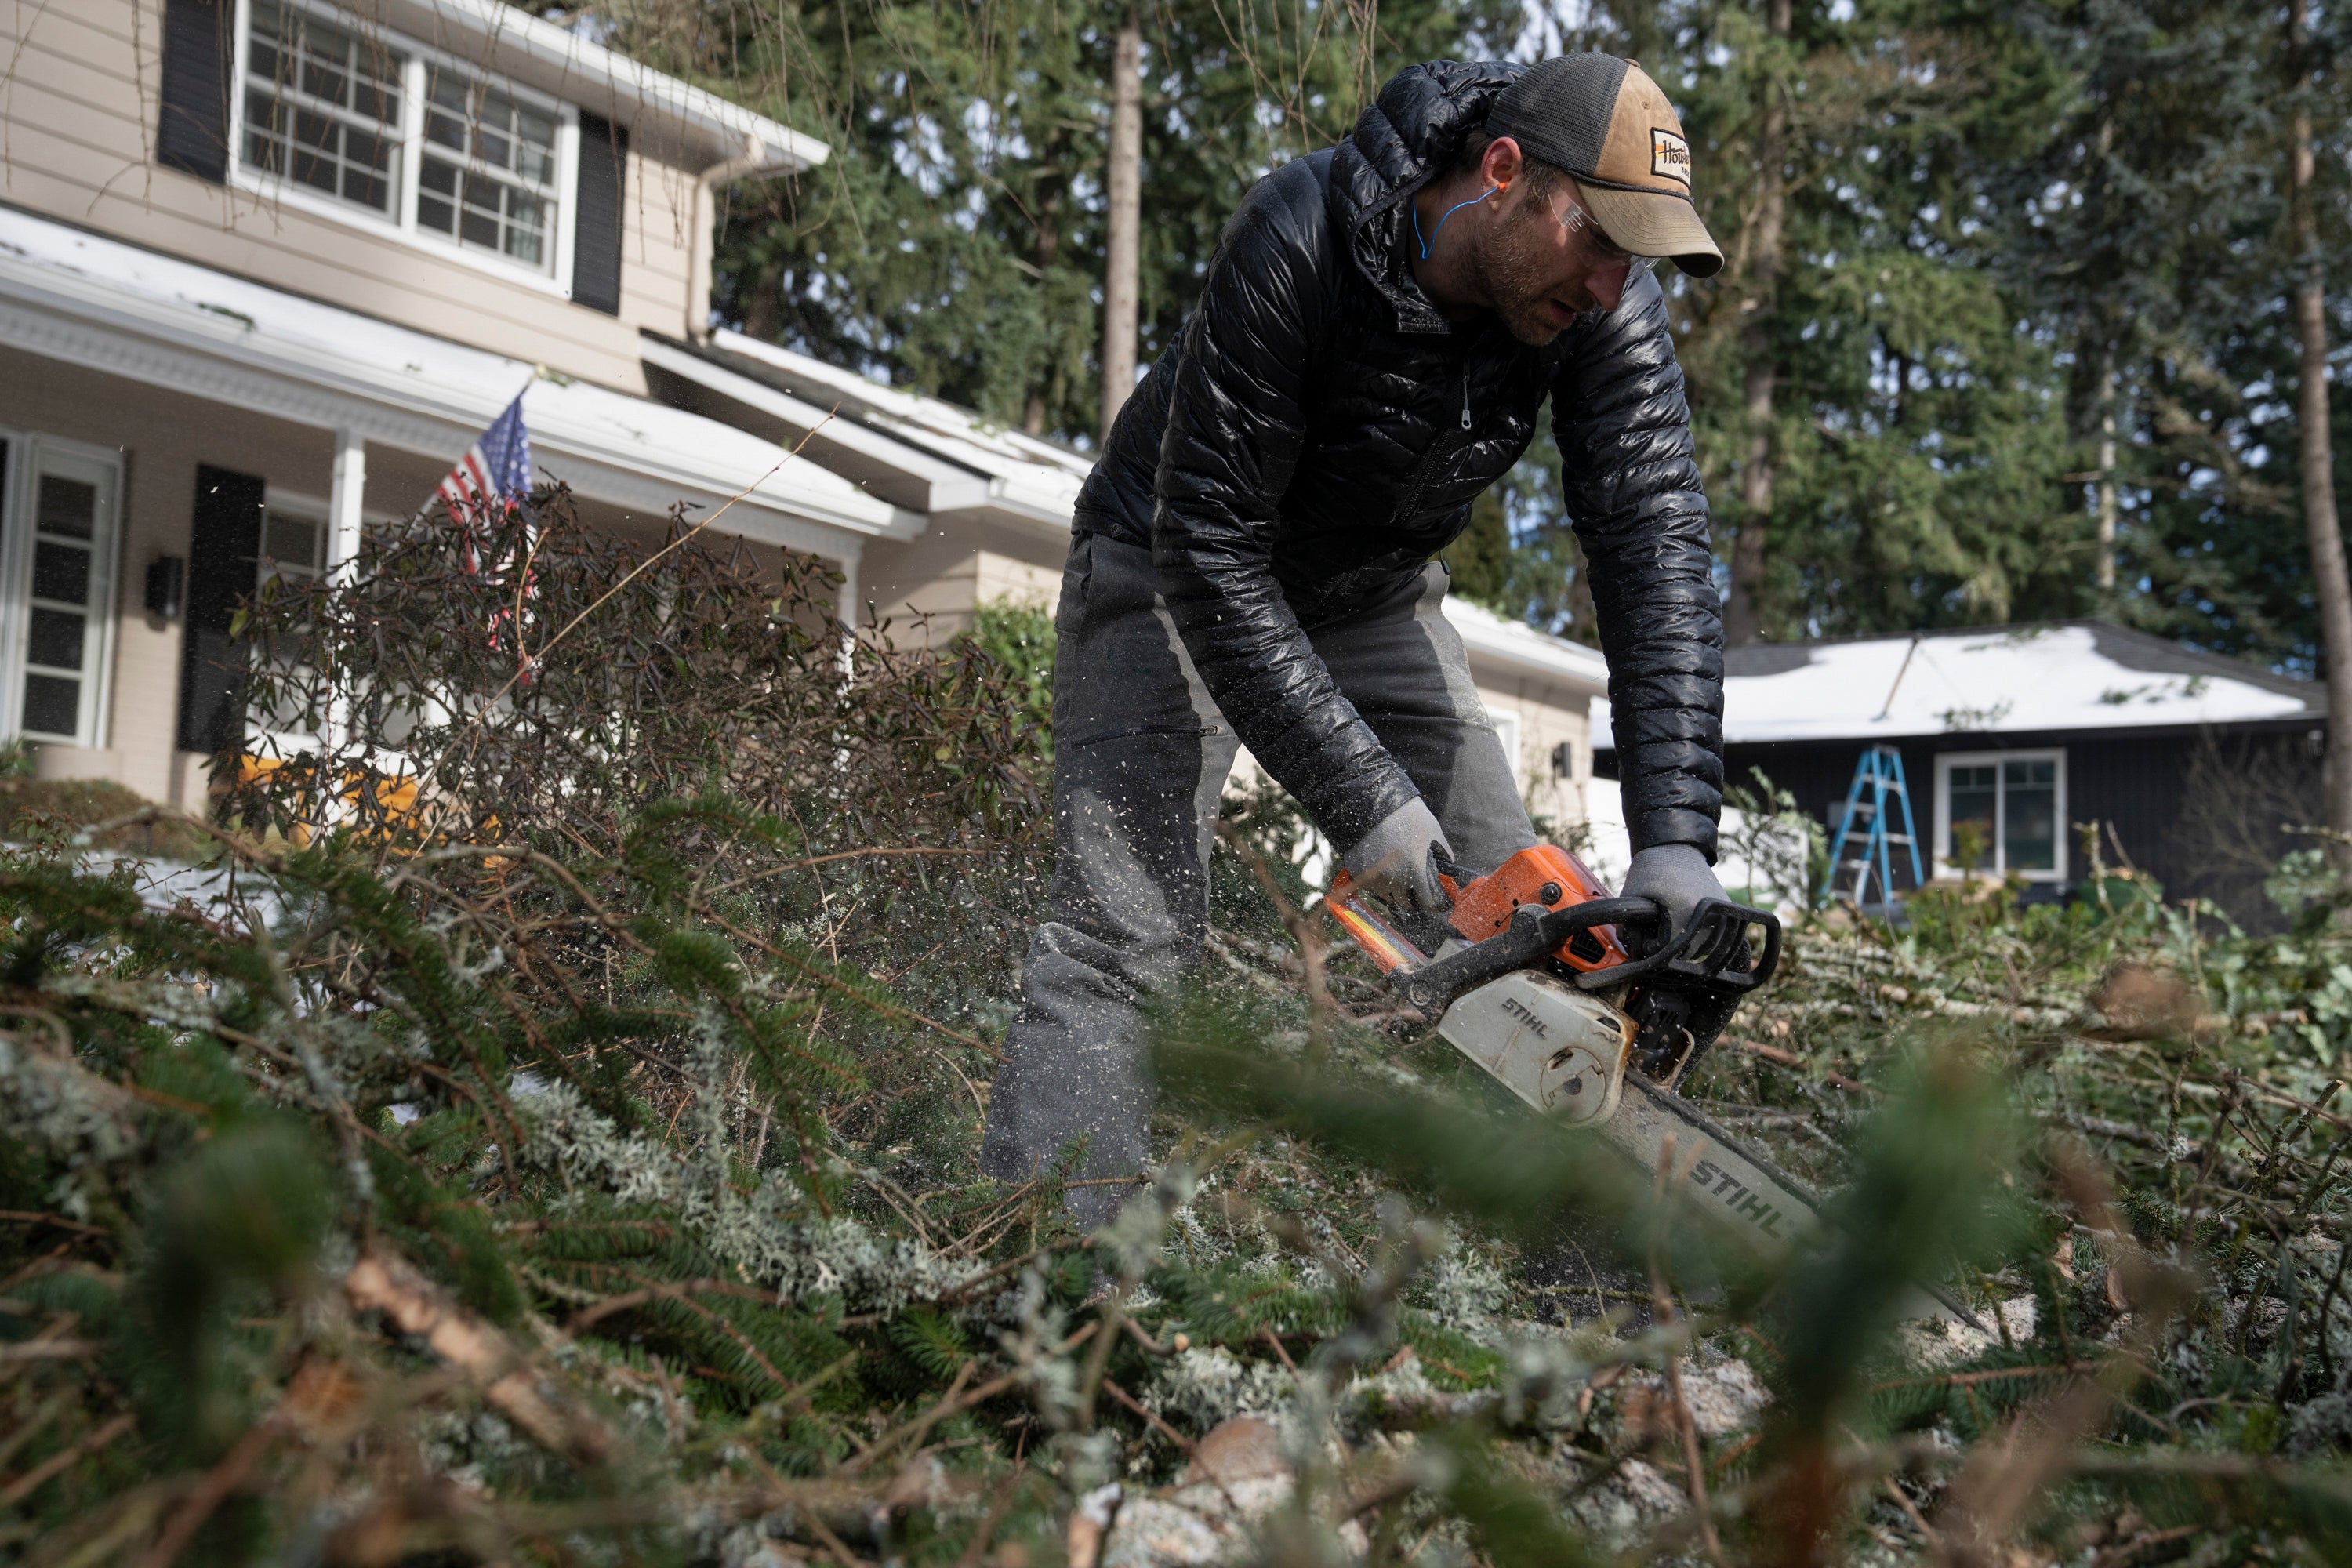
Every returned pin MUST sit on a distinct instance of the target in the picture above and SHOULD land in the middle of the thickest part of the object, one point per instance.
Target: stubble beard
(1513, 282)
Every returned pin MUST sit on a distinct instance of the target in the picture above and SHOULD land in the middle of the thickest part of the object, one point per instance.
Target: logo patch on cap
(1669, 155)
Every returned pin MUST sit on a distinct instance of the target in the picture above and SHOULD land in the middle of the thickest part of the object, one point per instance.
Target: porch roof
(118, 309)
(919, 451)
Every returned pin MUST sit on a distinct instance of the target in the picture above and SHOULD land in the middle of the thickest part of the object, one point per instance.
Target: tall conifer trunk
(2320, 523)
(2108, 506)
(1049, 250)
(1124, 248)
(1743, 613)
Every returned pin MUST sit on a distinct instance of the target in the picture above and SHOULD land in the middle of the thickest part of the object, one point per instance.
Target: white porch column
(848, 610)
(345, 506)
(345, 512)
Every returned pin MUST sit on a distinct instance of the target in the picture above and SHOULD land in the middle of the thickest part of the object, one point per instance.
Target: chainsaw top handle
(1710, 953)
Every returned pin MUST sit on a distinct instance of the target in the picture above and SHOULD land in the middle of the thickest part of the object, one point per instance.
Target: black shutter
(596, 229)
(192, 134)
(223, 547)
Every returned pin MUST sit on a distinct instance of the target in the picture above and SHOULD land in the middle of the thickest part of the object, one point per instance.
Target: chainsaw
(1589, 1011)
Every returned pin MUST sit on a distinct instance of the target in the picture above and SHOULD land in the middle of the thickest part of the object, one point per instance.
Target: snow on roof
(567, 62)
(1524, 648)
(1026, 472)
(2061, 676)
(578, 430)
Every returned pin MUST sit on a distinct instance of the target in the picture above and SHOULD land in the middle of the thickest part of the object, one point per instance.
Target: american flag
(491, 481)
(497, 467)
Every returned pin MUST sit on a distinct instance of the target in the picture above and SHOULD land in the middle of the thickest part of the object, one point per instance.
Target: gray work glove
(1397, 859)
(1677, 875)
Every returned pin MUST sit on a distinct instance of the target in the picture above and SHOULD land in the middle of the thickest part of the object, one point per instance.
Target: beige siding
(957, 565)
(657, 245)
(77, 131)
(1008, 579)
(1549, 716)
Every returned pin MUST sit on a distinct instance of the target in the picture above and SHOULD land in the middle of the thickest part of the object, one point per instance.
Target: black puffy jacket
(1318, 430)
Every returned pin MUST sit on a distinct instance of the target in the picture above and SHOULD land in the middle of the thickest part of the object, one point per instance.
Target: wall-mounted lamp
(167, 586)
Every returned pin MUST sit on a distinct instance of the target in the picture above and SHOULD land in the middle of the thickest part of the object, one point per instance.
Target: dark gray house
(2013, 738)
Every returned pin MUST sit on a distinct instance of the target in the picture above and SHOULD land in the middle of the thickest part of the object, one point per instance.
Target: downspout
(756, 158)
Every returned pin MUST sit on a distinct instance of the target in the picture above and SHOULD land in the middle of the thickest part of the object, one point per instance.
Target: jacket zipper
(1438, 451)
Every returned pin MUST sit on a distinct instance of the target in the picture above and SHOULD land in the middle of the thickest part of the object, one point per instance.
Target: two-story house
(268, 267)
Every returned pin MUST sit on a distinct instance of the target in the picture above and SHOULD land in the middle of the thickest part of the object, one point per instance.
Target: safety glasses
(1578, 219)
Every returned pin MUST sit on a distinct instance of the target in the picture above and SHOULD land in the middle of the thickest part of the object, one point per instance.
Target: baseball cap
(1605, 122)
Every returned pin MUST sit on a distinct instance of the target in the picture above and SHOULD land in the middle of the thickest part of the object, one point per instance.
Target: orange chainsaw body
(1546, 876)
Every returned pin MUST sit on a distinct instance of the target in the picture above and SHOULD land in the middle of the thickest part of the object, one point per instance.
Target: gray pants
(1140, 759)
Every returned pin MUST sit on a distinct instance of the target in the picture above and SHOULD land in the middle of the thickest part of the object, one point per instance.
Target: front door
(59, 521)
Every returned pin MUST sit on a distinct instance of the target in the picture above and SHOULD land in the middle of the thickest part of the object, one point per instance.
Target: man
(1251, 561)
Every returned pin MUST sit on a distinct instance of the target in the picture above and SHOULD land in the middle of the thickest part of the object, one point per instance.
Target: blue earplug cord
(1449, 212)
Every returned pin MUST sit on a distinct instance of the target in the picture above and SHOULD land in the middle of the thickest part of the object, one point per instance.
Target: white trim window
(1506, 730)
(60, 527)
(293, 539)
(293, 551)
(487, 174)
(2002, 814)
(371, 127)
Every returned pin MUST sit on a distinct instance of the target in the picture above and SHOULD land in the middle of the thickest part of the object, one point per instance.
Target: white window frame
(17, 499)
(1510, 730)
(400, 224)
(1946, 762)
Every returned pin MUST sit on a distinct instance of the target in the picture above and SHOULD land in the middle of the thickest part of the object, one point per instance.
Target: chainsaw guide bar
(1536, 981)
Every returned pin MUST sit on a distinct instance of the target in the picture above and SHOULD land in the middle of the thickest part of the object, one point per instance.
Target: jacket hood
(1405, 138)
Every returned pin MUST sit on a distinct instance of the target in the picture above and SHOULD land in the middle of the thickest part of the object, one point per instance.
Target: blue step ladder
(1877, 817)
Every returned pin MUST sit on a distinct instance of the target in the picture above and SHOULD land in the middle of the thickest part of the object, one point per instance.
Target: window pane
(319, 82)
(526, 220)
(536, 157)
(52, 705)
(379, 103)
(56, 639)
(2030, 834)
(292, 540)
(61, 572)
(68, 507)
(1971, 802)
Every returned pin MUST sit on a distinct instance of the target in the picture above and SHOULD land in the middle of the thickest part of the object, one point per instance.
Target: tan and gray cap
(1603, 120)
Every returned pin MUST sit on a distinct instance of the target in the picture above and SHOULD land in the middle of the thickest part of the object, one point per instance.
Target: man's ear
(1503, 163)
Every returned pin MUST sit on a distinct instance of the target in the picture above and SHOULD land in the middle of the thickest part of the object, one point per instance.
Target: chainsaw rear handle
(1705, 954)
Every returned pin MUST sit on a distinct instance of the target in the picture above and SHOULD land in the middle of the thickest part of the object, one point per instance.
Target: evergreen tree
(2023, 350)
(955, 242)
